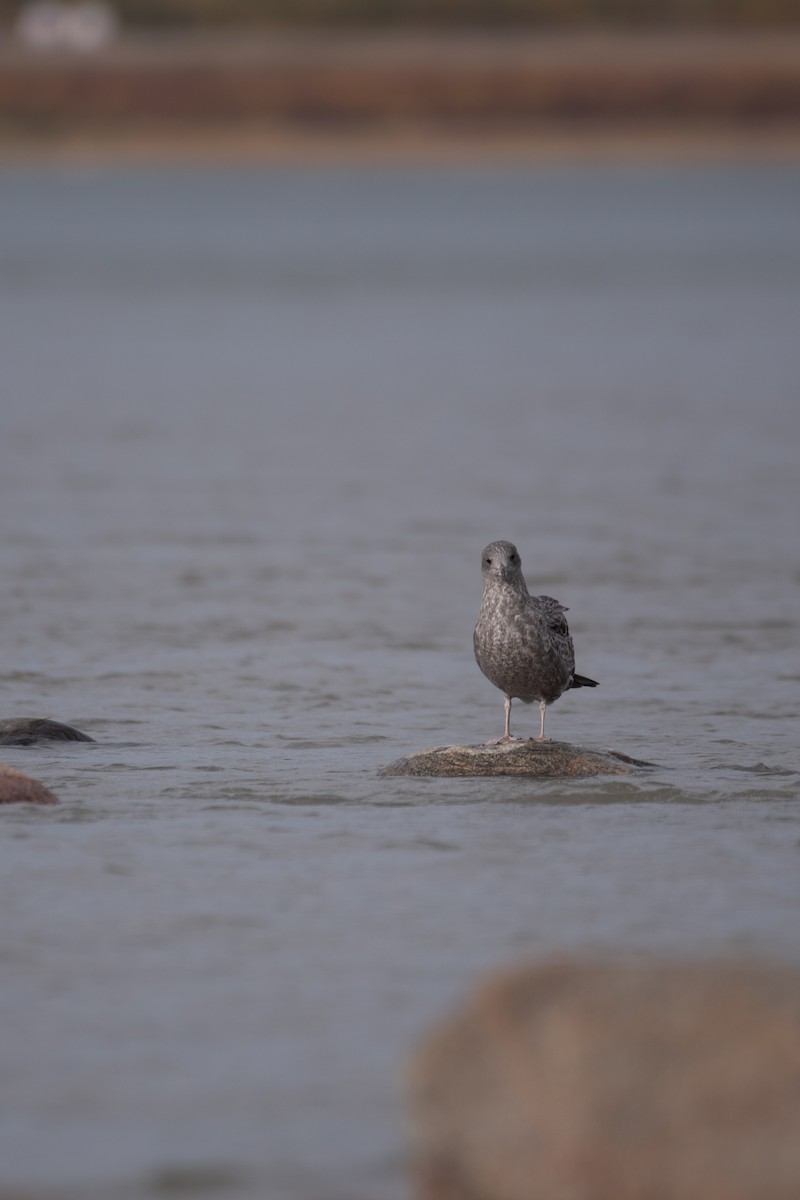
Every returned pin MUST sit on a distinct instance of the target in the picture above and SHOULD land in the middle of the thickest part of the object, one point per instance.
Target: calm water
(256, 428)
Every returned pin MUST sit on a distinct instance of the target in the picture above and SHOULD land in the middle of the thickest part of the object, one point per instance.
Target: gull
(522, 642)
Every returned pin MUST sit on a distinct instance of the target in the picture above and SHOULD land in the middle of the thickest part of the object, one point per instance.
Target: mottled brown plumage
(522, 642)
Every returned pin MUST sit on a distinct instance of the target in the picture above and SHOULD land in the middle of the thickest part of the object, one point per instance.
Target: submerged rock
(18, 788)
(604, 1081)
(24, 731)
(534, 758)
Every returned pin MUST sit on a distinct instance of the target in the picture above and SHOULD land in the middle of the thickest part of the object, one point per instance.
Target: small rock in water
(25, 731)
(18, 788)
(547, 760)
(593, 1081)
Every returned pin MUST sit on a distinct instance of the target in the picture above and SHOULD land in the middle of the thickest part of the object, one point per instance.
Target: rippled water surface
(256, 428)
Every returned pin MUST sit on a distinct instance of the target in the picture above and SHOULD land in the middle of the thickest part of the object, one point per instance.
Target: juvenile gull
(522, 642)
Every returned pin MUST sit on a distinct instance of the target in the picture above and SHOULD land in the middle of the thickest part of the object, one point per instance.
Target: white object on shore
(50, 25)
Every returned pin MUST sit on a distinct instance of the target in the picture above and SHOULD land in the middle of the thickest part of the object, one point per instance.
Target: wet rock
(546, 759)
(615, 1082)
(25, 731)
(18, 788)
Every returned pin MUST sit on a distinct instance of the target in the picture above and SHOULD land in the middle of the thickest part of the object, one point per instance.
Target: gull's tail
(582, 681)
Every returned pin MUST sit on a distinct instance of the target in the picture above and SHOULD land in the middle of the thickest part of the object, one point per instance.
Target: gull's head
(500, 560)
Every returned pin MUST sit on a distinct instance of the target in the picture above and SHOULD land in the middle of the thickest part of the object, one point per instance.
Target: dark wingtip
(583, 681)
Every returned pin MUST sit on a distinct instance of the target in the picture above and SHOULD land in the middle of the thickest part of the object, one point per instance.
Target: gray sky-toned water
(255, 428)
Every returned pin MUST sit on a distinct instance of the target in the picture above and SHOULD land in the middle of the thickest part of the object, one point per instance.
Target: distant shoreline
(405, 98)
(404, 148)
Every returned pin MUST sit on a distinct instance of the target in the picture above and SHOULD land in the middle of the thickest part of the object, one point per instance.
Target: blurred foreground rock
(639, 1082)
(18, 788)
(545, 759)
(25, 731)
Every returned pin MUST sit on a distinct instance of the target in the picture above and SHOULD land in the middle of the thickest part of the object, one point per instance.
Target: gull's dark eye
(488, 562)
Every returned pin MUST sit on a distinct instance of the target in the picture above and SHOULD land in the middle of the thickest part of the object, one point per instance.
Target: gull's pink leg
(507, 731)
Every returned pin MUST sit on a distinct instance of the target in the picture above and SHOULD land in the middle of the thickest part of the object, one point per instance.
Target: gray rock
(25, 731)
(549, 760)
(614, 1082)
(18, 788)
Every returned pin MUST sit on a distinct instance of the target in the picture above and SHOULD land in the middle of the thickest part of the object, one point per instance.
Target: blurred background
(253, 75)
(301, 304)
